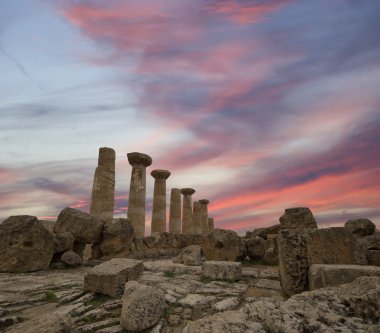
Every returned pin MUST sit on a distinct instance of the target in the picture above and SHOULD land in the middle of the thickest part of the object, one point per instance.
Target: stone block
(360, 227)
(321, 276)
(222, 270)
(110, 277)
(301, 248)
(373, 257)
(299, 217)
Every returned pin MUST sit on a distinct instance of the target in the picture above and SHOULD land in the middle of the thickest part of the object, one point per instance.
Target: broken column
(175, 211)
(103, 189)
(204, 216)
(197, 218)
(159, 201)
(187, 211)
(210, 224)
(137, 191)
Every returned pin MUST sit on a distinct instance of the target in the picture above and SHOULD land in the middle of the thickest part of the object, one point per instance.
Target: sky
(257, 105)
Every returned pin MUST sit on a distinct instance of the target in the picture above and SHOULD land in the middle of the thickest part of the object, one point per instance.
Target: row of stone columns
(194, 218)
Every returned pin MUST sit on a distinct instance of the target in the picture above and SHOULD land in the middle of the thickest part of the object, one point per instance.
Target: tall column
(103, 189)
(211, 226)
(137, 191)
(204, 216)
(159, 201)
(197, 218)
(175, 211)
(187, 211)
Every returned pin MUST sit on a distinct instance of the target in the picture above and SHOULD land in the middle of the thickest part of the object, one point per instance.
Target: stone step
(94, 327)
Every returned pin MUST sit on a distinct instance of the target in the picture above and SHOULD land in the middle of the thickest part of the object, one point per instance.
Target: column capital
(204, 202)
(136, 158)
(187, 191)
(160, 174)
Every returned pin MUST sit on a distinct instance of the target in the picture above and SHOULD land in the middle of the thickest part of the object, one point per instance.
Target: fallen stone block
(321, 276)
(110, 277)
(224, 270)
(142, 308)
(190, 256)
(360, 227)
(299, 217)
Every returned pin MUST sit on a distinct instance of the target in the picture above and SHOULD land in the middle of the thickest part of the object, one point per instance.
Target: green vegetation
(98, 300)
(169, 274)
(50, 296)
(90, 318)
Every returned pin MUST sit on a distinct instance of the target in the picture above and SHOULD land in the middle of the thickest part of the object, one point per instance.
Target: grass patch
(98, 300)
(91, 318)
(169, 274)
(50, 296)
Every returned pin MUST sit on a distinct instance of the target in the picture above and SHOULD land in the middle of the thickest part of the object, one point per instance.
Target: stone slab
(321, 276)
(222, 270)
(110, 277)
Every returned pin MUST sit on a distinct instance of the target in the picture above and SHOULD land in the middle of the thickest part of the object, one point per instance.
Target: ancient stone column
(137, 191)
(103, 189)
(175, 211)
(159, 201)
(211, 226)
(197, 218)
(187, 211)
(204, 216)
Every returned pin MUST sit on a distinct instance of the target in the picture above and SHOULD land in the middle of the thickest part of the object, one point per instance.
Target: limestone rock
(256, 247)
(71, 258)
(360, 227)
(222, 270)
(142, 307)
(300, 248)
(373, 257)
(109, 277)
(300, 217)
(63, 242)
(229, 321)
(271, 256)
(190, 256)
(85, 227)
(263, 232)
(321, 276)
(116, 238)
(48, 225)
(222, 245)
(371, 242)
(25, 245)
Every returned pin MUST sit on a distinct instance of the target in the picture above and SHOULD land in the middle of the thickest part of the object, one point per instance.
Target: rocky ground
(54, 301)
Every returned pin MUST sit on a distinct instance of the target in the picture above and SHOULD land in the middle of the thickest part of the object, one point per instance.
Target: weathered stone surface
(175, 211)
(229, 321)
(371, 242)
(271, 256)
(263, 232)
(71, 258)
(353, 307)
(63, 242)
(142, 307)
(373, 257)
(86, 228)
(360, 227)
(256, 248)
(159, 201)
(48, 225)
(187, 210)
(25, 245)
(298, 249)
(109, 277)
(190, 256)
(53, 322)
(137, 191)
(321, 276)
(300, 217)
(211, 225)
(116, 239)
(103, 189)
(197, 218)
(222, 245)
(222, 270)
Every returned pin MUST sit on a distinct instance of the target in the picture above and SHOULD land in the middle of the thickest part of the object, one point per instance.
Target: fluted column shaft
(175, 211)
(197, 218)
(187, 211)
(159, 202)
(103, 189)
(137, 191)
(204, 216)
(211, 226)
